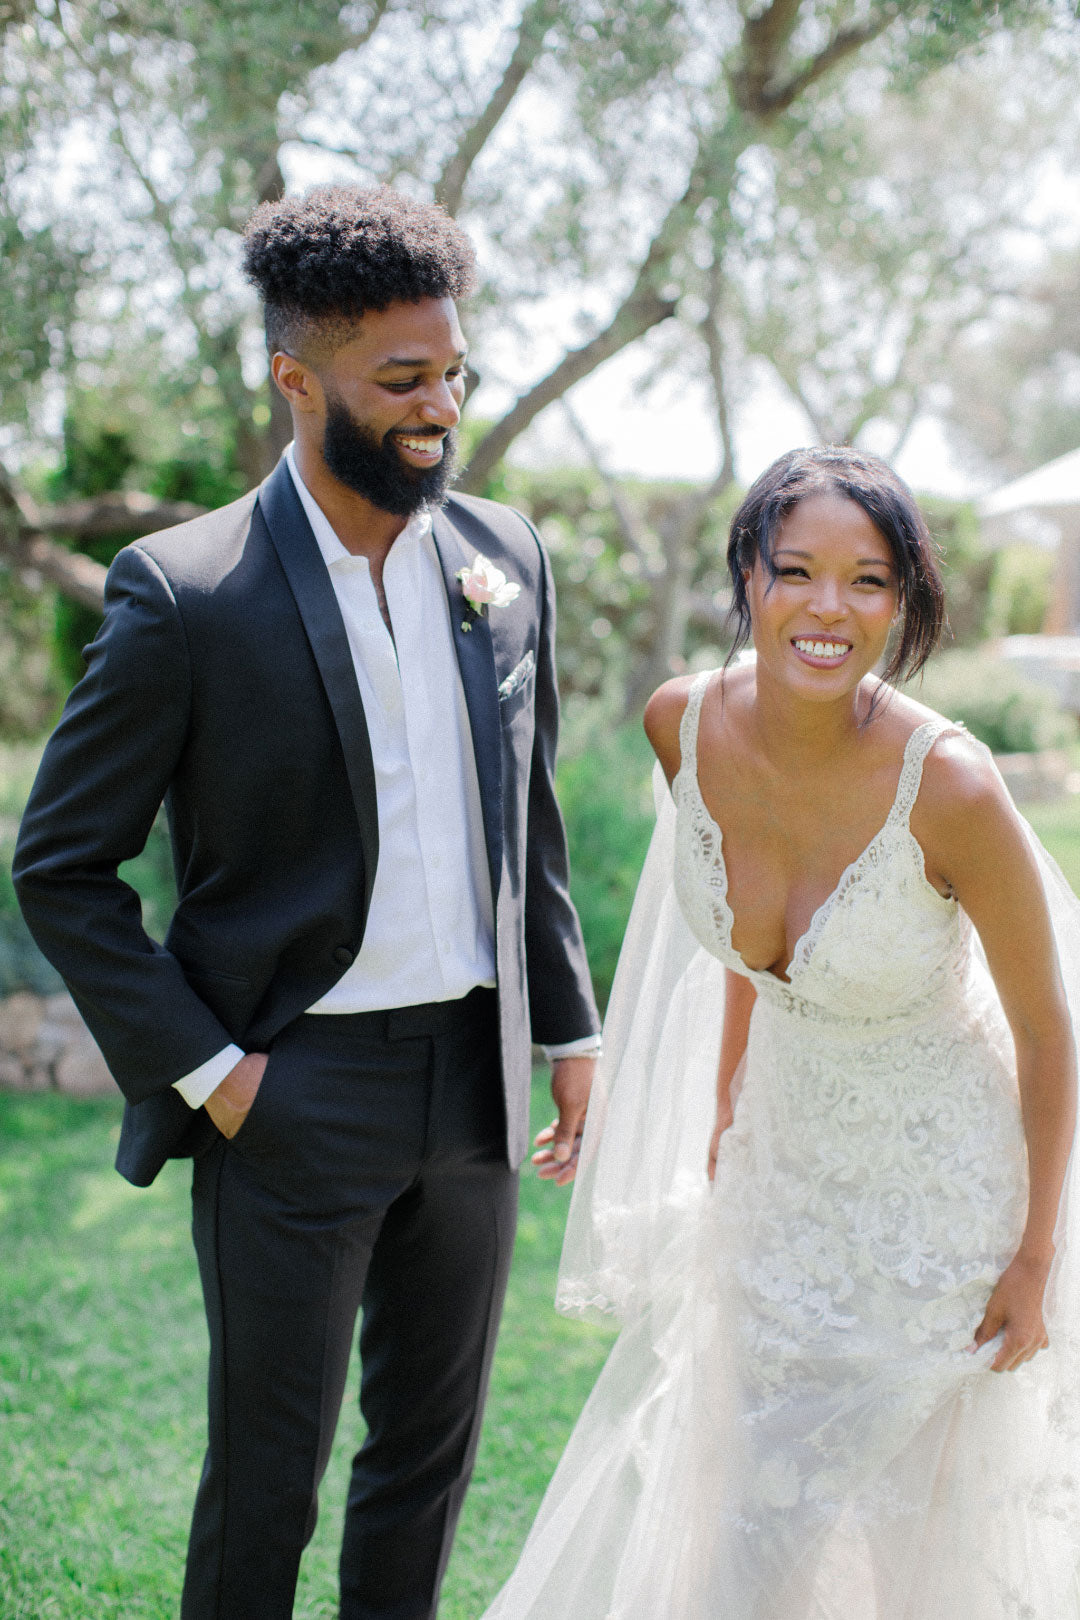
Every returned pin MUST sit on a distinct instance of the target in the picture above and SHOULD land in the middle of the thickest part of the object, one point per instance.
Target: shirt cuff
(197, 1086)
(586, 1046)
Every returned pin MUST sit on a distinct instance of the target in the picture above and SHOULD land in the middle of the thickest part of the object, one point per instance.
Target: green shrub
(1020, 589)
(22, 966)
(996, 703)
(606, 796)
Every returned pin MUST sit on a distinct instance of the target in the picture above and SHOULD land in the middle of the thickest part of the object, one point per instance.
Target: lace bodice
(883, 909)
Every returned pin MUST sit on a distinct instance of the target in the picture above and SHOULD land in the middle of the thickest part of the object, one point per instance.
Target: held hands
(559, 1143)
(1015, 1309)
(229, 1105)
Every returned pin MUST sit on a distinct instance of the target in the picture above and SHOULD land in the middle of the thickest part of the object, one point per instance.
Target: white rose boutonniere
(483, 586)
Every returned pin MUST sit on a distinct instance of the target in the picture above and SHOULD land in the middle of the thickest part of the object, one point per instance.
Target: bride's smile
(824, 600)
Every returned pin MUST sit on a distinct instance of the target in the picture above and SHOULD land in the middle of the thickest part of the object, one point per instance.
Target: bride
(825, 1181)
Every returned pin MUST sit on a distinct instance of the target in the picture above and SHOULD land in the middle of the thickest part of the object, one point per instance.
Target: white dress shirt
(430, 928)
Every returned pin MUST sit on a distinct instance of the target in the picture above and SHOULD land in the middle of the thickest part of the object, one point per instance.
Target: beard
(373, 468)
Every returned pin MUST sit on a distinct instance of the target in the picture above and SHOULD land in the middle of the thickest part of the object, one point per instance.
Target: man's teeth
(823, 649)
(426, 446)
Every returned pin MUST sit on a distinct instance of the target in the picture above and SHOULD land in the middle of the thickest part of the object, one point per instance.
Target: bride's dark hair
(838, 470)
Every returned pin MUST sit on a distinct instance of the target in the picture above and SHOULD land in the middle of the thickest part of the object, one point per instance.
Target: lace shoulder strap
(919, 744)
(688, 725)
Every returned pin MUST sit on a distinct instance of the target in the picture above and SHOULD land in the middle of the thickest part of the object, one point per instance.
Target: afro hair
(320, 260)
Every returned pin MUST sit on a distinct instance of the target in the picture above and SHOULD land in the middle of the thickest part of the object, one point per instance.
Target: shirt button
(343, 956)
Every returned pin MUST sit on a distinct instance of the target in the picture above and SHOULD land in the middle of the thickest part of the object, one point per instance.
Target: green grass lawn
(102, 1362)
(1058, 825)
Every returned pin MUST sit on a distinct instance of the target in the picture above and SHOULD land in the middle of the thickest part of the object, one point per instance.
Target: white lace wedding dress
(791, 1425)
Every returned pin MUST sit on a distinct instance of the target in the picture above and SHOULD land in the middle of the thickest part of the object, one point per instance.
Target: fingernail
(562, 1151)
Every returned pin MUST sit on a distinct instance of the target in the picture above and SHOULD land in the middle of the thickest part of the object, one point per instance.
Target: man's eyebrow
(414, 364)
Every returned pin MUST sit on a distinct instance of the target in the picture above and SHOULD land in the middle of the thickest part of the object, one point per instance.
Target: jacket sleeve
(102, 778)
(561, 1002)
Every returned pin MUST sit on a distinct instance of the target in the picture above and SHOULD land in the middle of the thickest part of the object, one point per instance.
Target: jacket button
(342, 955)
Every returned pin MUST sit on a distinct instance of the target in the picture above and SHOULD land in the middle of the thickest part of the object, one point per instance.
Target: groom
(343, 688)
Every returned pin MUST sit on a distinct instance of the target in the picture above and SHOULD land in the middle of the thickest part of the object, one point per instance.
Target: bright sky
(672, 436)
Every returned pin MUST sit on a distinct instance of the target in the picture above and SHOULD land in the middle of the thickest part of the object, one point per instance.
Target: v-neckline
(808, 938)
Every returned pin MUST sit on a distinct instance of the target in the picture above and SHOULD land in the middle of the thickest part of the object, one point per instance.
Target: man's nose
(440, 406)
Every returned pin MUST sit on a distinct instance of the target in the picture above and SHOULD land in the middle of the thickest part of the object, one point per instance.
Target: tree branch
(26, 534)
(535, 22)
(714, 349)
(121, 512)
(78, 577)
(755, 85)
(638, 314)
(764, 38)
(644, 307)
(629, 526)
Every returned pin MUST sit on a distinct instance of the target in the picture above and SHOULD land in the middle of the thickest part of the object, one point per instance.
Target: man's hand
(229, 1105)
(560, 1142)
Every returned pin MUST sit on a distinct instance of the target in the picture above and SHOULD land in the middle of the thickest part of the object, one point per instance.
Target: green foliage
(1020, 589)
(42, 274)
(100, 457)
(1005, 711)
(606, 796)
(30, 687)
(966, 566)
(22, 966)
(209, 480)
(607, 600)
(96, 460)
(988, 594)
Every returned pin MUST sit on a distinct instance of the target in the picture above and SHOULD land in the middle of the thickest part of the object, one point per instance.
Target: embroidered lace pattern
(791, 1425)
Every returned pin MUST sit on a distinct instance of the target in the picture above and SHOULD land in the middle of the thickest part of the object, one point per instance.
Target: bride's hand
(1015, 1310)
(724, 1116)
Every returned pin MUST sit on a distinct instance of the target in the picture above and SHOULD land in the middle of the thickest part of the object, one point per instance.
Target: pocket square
(517, 677)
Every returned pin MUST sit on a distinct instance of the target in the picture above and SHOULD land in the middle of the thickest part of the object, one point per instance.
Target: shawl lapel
(476, 660)
(309, 581)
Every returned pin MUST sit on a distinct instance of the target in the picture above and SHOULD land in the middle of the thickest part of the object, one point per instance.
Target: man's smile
(424, 448)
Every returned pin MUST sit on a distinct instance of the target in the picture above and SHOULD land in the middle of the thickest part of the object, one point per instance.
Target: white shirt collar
(331, 547)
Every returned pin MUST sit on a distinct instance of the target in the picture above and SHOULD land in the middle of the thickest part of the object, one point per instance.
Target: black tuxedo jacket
(222, 683)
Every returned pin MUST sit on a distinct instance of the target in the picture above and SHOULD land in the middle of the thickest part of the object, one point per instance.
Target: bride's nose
(827, 601)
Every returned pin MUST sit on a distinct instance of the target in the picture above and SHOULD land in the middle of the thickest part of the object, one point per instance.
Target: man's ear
(296, 382)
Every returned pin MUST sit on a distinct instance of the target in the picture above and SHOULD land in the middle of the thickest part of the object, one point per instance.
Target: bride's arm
(739, 998)
(976, 848)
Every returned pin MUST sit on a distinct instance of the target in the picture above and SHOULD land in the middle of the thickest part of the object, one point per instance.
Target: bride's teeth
(822, 649)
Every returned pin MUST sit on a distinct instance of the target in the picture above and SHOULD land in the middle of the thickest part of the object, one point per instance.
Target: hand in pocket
(230, 1104)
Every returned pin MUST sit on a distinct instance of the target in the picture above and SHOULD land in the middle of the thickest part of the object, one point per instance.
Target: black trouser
(371, 1173)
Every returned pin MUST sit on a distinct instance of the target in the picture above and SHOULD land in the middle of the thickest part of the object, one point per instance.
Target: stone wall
(45, 1046)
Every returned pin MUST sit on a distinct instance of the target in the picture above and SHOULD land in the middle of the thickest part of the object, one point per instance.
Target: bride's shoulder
(958, 772)
(664, 713)
(961, 790)
(662, 719)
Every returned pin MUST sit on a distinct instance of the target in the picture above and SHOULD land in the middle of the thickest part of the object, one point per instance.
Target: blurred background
(708, 230)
